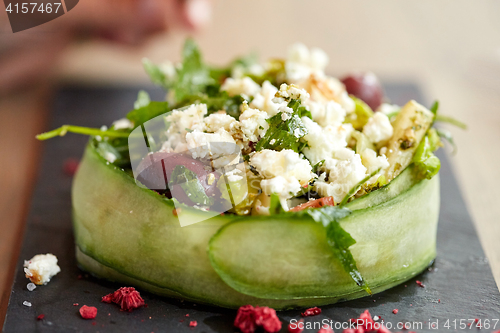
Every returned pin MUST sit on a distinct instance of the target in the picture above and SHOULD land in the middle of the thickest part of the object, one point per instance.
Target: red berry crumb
(193, 323)
(187, 314)
(40, 317)
(420, 284)
(245, 320)
(395, 311)
(126, 297)
(297, 327)
(249, 318)
(311, 312)
(267, 319)
(75, 304)
(88, 312)
(70, 166)
(476, 320)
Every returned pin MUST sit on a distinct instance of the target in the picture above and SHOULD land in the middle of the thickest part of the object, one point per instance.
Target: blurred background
(450, 48)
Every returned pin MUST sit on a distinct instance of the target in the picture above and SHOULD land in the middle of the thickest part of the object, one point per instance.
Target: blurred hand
(28, 57)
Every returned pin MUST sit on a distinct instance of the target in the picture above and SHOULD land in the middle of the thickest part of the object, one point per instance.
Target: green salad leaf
(143, 99)
(285, 134)
(194, 75)
(151, 110)
(155, 73)
(191, 185)
(275, 206)
(451, 120)
(446, 135)
(426, 162)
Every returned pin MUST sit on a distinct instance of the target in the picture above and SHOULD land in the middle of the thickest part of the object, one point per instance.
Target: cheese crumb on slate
(41, 268)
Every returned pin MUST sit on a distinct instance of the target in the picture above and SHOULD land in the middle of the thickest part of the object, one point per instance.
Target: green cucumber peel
(338, 239)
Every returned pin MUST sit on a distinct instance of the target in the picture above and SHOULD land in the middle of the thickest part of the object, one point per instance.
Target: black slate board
(459, 285)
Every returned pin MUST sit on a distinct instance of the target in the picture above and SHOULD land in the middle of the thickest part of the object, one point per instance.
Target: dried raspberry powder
(245, 319)
(311, 312)
(193, 323)
(88, 312)
(395, 311)
(420, 284)
(40, 317)
(249, 318)
(267, 318)
(126, 297)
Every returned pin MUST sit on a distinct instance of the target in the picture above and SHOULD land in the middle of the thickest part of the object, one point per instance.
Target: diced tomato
(326, 201)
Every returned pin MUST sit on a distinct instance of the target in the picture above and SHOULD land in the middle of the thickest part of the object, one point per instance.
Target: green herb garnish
(191, 185)
(285, 134)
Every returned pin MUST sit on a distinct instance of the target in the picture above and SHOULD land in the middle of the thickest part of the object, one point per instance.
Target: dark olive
(366, 87)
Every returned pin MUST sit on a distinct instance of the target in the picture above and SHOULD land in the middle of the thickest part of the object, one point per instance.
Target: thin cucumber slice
(282, 259)
(129, 234)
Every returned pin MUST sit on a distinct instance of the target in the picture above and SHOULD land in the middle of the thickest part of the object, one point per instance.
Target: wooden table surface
(452, 59)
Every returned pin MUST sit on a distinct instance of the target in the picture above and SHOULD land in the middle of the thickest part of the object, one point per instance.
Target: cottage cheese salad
(299, 189)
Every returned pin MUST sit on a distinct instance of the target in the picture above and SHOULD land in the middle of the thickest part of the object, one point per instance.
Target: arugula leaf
(339, 239)
(155, 73)
(275, 206)
(427, 163)
(435, 107)
(317, 166)
(143, 99)
(451, 120)
(285, 134)
(191, 185)
(444, 134)
(216, 102)
(194, 75)
(61, 131)
(151, 110)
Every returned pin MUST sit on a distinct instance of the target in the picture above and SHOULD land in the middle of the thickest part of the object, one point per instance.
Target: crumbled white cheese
(284, 172)
(323, 142)
(244, 86)
(328, 113)
(123, 123)
(286, 163)
(288, 92)
(234, 175)
(41, 268)
(373, 162)
(284, 187)
(343, 173)
(253, 124)
(181, 121)
(26, 303)
(302, 62)
(219, 146)
(378, 128)
(216, 121)
(346, 101)
(387, 108)
(264, 99)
